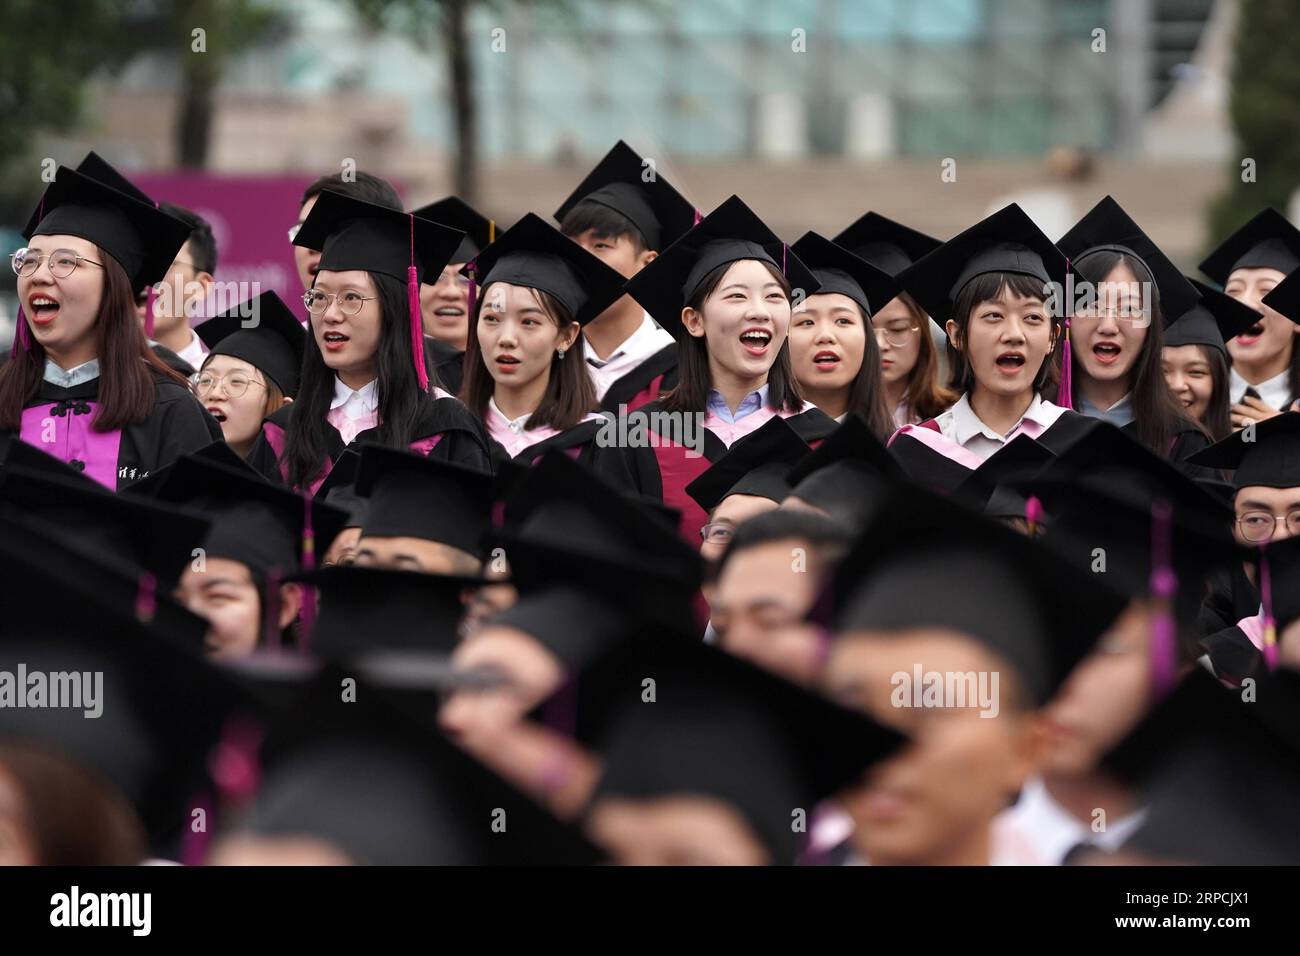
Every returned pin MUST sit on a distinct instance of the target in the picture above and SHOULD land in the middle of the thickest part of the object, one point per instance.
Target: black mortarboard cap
(387, 789)
(163, 705)
(721, 727)
(889, 246)
(754, 465)
(533, 254)
(989, 488)
(1266, 454)
(142, 239)
(1007, 241)
(255, 522)
(354, 234)
(140, 533)
(845, 474)
(623, 182)
(365, 609)
(838, 270)
(1108, 228)
(480, 231)
(1283, 298)
(730, 233)
(411, 496)
(1267, 241)
(262, 332)
(1213, 320)
(925, 561)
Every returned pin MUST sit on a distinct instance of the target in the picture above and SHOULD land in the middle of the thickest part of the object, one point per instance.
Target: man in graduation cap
(422, 515)
(955, 630)
(1264, 459)
(445, 303)
(625, 213)
(1247, 264)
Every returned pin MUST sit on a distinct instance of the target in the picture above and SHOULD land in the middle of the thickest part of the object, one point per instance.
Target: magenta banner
(250, 217)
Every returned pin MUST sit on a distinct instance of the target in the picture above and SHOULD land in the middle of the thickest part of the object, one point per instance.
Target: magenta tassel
(146, 602)
(22, 334)
(417, 327)
(1065, 394)
(783, 252)
(1164, 585)
(1270, 649)
(1033, 513)
(148, 312)
(698, 216)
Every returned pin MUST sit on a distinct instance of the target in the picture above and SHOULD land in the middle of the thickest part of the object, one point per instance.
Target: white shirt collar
(1276, 391)
(367, 395)
(646, 339)
(1052, 831)
(516, 425)
(966, 424)
(85, 372)
(194, 352)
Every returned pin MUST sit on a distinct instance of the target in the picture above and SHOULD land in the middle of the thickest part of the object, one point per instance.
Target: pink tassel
(22, 334)
(417, 323)
(1033, 514)
(1065, 394)
(234, 763)
(1164, 585)
(1270, 649)
(148, 312)
(698, 216)
(146, 601)
(783, 251)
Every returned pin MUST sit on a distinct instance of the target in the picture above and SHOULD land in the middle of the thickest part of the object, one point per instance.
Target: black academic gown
(58, 421)
(660, 469)
(445, 430)
(172, 360)
(645, 383)
(446, 364)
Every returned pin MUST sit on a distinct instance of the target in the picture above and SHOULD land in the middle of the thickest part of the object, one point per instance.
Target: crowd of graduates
(965, 552)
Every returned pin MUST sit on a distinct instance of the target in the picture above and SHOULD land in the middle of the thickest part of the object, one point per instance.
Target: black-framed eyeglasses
(63, 262)
(350, 301)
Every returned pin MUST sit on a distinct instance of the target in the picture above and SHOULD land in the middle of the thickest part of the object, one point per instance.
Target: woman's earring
(559, 354)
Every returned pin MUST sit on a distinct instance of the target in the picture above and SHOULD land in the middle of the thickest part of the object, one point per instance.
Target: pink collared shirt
(511, 434)
(964, 438)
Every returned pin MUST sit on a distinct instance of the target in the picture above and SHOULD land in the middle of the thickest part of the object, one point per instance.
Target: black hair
(400, 399)
(830, 539)
(987, 288)
(605, 222)
(203, 245)
(363, 186)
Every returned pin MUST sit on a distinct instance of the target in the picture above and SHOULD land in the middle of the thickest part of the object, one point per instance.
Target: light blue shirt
(1119, 414)
(85, 372)
(748, 405)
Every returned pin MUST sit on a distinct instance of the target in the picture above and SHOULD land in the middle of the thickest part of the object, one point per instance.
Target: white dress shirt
(648, 339)
(1276, 391)
(1038, 831)
(195, 352)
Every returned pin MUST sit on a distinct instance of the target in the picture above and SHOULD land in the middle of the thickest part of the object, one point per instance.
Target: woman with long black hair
(364, 376)
(81, 382)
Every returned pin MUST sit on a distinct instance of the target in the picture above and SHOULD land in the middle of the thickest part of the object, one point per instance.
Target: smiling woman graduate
(992, 286)
(1117, 335)
(725, 289)
(364, 377)
(81, 382)
(525, 377)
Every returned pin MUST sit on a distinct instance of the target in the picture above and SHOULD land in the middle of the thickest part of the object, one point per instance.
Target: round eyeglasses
(236, 383)
(350, 301)
(63, 262)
